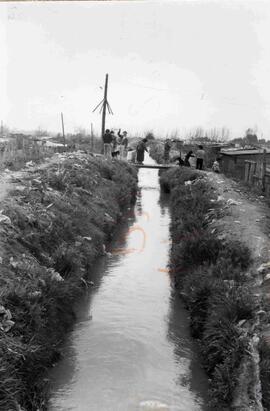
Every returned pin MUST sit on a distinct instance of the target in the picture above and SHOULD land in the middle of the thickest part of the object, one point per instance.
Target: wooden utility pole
(63, 129)
(105, 102)
(103, 106)
(92, 138)
(263, 169)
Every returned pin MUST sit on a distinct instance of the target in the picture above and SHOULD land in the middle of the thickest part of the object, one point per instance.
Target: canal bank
(216, 256)
(131, 348)
(55, 220)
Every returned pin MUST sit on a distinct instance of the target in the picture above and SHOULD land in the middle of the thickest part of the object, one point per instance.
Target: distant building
(232, 161)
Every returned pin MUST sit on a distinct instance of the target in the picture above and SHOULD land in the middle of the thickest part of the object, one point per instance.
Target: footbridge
(141, 165)
(156, 166)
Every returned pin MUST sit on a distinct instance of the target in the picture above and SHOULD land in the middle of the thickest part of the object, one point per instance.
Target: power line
(226, 100)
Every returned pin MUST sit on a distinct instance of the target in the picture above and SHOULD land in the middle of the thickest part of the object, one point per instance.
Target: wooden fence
(16, 155)
(257, 174)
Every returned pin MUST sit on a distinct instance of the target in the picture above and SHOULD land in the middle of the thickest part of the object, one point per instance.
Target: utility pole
(92, 138)
(63, 129)
(103, 106)
(263, 169)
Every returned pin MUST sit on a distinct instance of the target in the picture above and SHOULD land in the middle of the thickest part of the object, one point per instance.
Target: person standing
(115, 145)
(123, 140)
(140, 149)
(167, 149)
(107, 144)
(200, 158)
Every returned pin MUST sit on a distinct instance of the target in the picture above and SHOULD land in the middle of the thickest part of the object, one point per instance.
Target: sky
(172, 65)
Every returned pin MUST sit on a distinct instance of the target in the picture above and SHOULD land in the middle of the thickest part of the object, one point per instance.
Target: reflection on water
(130, 348)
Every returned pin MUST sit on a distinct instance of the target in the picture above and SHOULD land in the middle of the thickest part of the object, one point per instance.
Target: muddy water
(130, 348)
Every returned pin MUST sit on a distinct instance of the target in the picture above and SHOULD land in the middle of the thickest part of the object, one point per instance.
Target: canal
(130, 349)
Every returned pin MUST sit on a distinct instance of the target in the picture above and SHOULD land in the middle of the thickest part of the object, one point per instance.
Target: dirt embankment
(219, 243)
(246, 217)
(54, 222)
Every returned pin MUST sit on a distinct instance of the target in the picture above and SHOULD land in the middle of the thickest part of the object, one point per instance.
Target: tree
(4, 130)
(239, 140)
(149, 135)
(198, 132)
(225, 133)
(251, 138)
(41, 133)
(262, 141)
(80, 131)
(174, 135)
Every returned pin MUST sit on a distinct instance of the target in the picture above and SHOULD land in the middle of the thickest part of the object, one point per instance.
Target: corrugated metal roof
(242, 152)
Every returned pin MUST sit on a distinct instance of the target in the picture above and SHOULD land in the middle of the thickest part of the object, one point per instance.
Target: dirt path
(247, 216)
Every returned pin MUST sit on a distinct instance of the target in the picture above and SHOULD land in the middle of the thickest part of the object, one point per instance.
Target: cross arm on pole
(109, 108)
(99, 104)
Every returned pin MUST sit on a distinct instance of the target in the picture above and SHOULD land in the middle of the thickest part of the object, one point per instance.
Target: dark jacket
(107, 138)
(187, 157)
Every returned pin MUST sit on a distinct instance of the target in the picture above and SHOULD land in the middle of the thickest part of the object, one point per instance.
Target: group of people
(115, 146)
(200, 157)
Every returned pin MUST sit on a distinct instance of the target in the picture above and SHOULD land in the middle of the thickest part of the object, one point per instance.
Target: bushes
(210, 274)
(265, 373)
(200, 249)
(224, 353)
(176, 178)
(157, 151)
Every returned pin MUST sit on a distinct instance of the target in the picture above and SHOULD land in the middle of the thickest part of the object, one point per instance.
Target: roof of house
(243, 152)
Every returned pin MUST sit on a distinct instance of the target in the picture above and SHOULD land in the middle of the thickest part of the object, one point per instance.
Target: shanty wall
(249, 168)
(234, 165)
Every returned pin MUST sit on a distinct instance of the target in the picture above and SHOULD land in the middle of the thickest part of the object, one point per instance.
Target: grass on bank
(61, 217)
(211, 276)
(265, 373)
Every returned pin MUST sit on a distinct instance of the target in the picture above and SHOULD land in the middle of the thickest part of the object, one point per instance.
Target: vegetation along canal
(130, 348)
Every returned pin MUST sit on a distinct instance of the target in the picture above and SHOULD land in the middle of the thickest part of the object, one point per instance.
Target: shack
(232, 162)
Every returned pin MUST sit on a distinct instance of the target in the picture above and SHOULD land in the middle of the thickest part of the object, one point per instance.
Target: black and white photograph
(135, 205)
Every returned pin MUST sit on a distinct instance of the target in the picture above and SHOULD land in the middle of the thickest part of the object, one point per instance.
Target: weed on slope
(211, 275)
(55, 222)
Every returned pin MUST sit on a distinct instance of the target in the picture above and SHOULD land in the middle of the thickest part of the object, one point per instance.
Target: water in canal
(130, 349)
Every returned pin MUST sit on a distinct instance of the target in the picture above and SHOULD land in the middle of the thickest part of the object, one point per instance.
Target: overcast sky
(171, 64)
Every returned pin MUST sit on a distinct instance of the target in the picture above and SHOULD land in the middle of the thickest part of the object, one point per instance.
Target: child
(215, 166)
